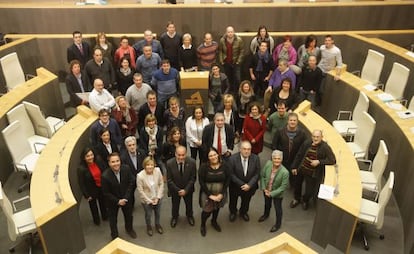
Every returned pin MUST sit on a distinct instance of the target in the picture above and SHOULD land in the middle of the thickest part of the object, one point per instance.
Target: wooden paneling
(198, 19)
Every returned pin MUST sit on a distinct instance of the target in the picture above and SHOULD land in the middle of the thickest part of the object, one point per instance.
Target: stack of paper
(370, 87)
(385, 97)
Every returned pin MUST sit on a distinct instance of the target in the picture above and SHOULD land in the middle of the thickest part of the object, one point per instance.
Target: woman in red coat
(254, 127)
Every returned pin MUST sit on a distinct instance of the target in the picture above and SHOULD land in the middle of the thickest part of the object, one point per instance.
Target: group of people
(130, 154)
(115, 169)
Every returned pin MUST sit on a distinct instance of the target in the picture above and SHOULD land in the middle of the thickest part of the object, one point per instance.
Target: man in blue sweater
(166, 82)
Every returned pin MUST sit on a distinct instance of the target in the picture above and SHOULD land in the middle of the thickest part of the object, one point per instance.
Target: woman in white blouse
(194, 130)
(150, 186)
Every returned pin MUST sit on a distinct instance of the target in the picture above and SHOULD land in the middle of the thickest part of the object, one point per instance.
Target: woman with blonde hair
(125, 116)
(150, 186)
(187, 54)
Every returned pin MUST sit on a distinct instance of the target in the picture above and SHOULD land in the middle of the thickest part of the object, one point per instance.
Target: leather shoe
(190, 220)
(132, 233)
(216, 226)
(203, 230)
(173, 222)
(294, 203)
(274, 229)
(232, 217)
(305, 205)
(149, 230)
(263, 218)
(159, 228)
(245, 217)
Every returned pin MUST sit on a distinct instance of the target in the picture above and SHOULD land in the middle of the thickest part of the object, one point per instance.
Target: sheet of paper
(370, 87)
(394, 105)
(385, 97)
(83, 96)
(326, 192)
(405, 114)
(410, 53)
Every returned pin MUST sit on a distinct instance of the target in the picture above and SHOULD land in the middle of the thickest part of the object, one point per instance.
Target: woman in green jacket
(274, 180)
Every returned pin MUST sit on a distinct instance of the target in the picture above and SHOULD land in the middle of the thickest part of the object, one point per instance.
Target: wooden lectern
(194, 90)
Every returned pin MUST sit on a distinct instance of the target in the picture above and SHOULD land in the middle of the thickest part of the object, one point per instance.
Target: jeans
(307, 95)
(148, 208)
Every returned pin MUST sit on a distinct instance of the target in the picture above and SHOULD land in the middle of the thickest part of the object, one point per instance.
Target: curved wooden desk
(343, 210)
(342, 95)
(283, 243)
(44, 85)
(51, 196)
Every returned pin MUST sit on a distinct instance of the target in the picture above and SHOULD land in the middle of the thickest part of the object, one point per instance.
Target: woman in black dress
(105, 146)
(124, 75)
(214, 177)
(174, 139)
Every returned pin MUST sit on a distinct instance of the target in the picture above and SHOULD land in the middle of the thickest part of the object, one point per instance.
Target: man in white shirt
(331, 57)
(100, 98)
(136, 95)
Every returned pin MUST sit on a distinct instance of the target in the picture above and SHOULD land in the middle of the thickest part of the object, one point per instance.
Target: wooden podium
(194, 90)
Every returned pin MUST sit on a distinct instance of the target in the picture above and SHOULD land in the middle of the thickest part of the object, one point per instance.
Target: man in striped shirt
(207, 52)
(309, 164)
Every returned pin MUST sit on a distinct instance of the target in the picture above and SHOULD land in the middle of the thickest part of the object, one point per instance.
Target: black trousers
(188, 200)
(113, 218)
(93, 205)
(234, 193)
(311, 187)
(277, 202)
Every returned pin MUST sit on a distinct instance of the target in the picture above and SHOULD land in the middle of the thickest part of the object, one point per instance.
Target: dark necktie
(181, 169)
(81, 49)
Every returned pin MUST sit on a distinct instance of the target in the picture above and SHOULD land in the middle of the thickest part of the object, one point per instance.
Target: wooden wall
(198, 19)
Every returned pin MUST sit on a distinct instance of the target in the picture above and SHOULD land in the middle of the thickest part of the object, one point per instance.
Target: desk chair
(24, 158)
(371, 179)
(19, 224)
(19, 113)
(12, 71)
(348, 127)
(45, 126)
(372, 212)
(397, 82)
(359, 146)
(372, 68)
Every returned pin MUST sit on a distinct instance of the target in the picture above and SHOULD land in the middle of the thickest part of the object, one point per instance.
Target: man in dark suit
(245, 168)
(181, 175)
(79, 50)
(117, 187)
(219, 135)
(132, 157)
(77, 81)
